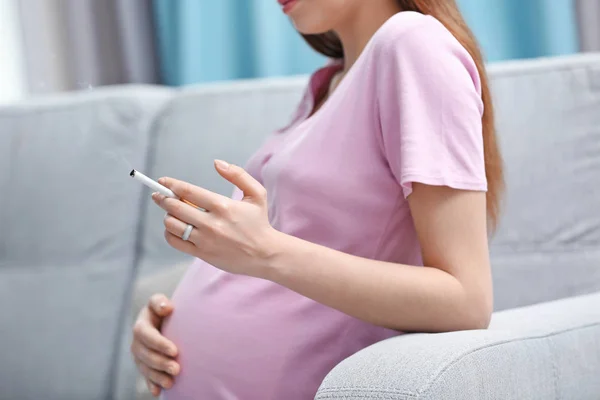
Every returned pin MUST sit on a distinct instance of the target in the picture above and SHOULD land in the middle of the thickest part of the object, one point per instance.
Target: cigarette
(157, 187)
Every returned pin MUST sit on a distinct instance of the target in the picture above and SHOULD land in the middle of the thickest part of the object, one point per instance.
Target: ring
(187, 232)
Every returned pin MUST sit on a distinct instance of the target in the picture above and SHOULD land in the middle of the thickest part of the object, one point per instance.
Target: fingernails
(222, 165)
(162, 305)
(157, 197)
(162, 181)
(172, 369)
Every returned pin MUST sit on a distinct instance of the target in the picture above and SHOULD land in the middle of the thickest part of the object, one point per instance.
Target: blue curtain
(510, 29)
(208, 40)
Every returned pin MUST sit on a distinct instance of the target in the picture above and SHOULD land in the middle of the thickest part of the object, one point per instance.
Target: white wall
(44, 45)
(588, 12)
(13, 85)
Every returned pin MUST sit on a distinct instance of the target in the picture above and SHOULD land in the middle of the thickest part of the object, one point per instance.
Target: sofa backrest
(548, 119)
(69, 214)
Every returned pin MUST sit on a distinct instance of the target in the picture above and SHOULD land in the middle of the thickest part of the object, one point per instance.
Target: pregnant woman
(367, 216)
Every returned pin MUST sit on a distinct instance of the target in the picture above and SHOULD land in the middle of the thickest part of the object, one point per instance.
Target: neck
(356, 32)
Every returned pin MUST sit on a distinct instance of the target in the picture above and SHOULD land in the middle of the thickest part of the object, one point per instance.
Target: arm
(452, 292)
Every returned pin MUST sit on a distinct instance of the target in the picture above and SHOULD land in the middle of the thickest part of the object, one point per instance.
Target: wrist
(273, 254)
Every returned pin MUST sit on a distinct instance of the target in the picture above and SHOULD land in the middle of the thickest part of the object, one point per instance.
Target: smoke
(119, 161)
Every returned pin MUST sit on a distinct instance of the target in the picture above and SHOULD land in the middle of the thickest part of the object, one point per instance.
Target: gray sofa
(81, 245)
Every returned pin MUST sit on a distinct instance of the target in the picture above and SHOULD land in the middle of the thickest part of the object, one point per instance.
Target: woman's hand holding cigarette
(235, 236)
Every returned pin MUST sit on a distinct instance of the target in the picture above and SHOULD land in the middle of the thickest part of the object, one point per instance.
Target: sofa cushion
(69, 217)
(548, 118)
(58, 330)
(67, 160)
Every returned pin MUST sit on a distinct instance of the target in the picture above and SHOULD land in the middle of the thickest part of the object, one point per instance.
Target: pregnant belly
(247, 338)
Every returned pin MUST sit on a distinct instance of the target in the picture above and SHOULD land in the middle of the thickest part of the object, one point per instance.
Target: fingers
(146, 331)
(151, 338)
(151, 350)
(155, 360)
(252, 189)
(199, 196)
(180, 210)
(177, 228)
(156, 377)
(153, 388)
(179, 244)
(160, 305)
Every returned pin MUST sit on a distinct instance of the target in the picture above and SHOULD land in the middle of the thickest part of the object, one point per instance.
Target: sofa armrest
(546, 351)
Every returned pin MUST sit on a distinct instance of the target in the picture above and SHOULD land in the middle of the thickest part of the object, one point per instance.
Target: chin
(313, 17)
(308, 26)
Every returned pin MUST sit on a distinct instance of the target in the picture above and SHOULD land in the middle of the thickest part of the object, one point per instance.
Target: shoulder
(417, 42)
(411, 33)
(401, 24)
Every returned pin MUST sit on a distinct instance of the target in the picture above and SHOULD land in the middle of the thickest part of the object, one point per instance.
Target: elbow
(479, 314)
(471, 320)
(480, 320)
(465, 315)
(472, 311)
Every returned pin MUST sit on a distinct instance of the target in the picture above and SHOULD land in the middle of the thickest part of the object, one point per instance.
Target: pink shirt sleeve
(430, 108)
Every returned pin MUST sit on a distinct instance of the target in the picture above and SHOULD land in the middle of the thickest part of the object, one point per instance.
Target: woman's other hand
(153, 353)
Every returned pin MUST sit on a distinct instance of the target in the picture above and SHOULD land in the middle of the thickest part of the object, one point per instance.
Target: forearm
(401, 297)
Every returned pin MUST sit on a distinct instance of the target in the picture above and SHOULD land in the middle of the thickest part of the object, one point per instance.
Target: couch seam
(352, 388)
(126, 301)
(554, 367)
(390, 393)
(46, 106)
(249, 88)
(424, 391)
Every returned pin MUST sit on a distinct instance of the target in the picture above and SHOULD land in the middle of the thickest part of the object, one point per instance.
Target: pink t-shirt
(408, 111)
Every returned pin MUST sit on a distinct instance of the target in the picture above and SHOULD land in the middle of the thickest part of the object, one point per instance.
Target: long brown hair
(447, 12)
